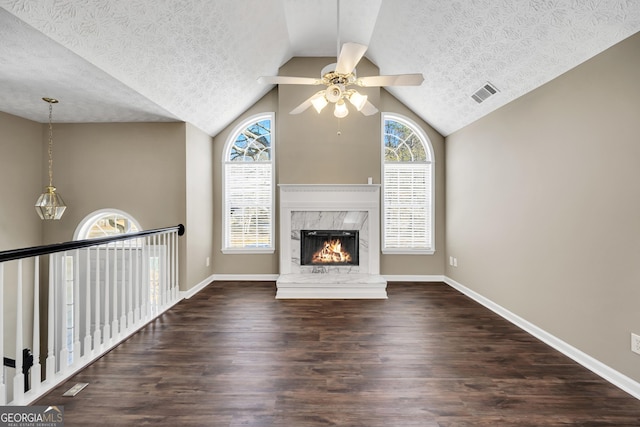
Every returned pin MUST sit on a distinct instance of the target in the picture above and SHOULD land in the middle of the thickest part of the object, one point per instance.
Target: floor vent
(75, 389)
(484, 92)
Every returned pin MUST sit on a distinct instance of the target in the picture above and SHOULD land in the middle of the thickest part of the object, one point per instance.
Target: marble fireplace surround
(335, 207)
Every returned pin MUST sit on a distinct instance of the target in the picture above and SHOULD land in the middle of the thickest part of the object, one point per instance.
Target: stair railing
(95, 294)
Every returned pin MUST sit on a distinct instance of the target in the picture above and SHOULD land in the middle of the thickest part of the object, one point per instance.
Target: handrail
(14, 254)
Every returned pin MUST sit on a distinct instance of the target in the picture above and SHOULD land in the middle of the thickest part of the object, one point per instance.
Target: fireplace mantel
(340, 205)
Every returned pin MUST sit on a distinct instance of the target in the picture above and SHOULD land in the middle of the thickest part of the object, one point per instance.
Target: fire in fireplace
(329, 247)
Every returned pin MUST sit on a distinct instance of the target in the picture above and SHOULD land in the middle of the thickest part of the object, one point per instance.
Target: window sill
(408, 251)
(247, 251)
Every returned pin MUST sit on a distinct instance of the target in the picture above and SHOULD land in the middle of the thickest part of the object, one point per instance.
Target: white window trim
(87, 221)
(429, 149)
(225, 155)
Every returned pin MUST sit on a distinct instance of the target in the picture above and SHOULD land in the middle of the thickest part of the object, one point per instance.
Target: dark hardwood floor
(428, 356)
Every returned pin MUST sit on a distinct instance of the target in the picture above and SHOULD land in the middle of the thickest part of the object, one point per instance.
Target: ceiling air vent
(484, 92)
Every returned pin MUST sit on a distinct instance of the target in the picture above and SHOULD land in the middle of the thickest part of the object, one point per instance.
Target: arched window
(105, 223)
(248, 175)
(407, 187)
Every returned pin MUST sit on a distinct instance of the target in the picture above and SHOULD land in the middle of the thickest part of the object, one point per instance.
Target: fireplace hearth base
(331, 286)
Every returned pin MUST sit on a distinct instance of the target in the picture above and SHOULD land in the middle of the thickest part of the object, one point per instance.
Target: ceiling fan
(340, 78)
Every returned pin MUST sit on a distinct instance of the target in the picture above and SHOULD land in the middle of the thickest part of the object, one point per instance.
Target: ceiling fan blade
(350, 55)
(284, 80)
(307, 103)
(396, 80)
(369, 109)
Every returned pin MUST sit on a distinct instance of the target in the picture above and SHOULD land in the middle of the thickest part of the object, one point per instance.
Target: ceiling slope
(198, 60)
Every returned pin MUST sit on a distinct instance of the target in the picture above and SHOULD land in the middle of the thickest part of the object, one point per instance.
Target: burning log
(331, 252)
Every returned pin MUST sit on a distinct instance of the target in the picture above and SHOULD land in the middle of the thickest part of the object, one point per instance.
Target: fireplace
(349, 213)
(329, 247)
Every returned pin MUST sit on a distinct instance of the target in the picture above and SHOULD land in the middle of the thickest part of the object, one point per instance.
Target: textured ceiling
(198, 60)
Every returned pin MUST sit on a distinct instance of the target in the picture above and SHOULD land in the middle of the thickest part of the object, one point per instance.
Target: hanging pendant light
(50, 205)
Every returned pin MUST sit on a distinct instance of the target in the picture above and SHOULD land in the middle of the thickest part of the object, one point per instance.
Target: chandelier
(50, 205)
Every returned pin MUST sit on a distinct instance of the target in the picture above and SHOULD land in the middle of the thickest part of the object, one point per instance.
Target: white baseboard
(230, 278)
(274, 277)
(606, 372)
(197, 288)
(413, 278)
(246, 277)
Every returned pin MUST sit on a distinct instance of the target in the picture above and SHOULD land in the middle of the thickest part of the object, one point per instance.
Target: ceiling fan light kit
(319, 101)
(341, 109)
(338, 76)
(358, 100)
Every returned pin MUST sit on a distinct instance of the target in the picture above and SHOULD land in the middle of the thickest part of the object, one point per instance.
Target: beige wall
(543, 206)
(199, 189)
(135, 167)
(238, 264)
(314, 148)
(310, 151)
(421, 264)
(22, 181)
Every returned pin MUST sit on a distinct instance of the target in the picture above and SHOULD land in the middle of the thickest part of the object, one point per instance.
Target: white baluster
(115, 330)
(168, 260)
(174, 263)
(97, 333)
(50, 363)
(146, 286)
(18, 379)
(3, 388)
(153, 289)
(163, 269)
(170, 267)
(87, 317)
(36, 370)
(107, 298)
(130, 318)
(76, 307)
(144, 278)
(123, 294)
(64, 352)
(162, 266)
(138, 279)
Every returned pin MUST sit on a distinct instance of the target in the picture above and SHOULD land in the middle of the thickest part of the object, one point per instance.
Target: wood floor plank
(233, 355)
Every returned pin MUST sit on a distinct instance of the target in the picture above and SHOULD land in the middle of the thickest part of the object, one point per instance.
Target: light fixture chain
(50, 145)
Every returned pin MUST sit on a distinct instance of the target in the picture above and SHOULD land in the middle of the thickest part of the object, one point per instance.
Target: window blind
(407, 206)
(248, 205)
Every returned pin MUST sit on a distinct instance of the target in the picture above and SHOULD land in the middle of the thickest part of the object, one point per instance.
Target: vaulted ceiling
(198, 60)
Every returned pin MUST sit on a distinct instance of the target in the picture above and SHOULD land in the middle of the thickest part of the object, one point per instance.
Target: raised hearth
(338, 209)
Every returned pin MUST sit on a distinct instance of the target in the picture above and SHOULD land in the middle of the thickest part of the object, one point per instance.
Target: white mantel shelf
(303, 204)
(329, 187)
